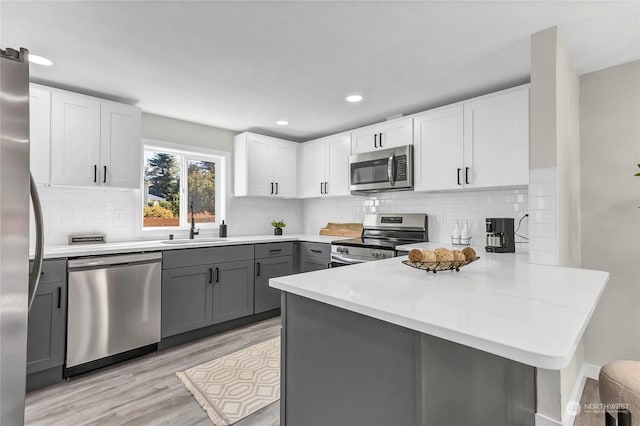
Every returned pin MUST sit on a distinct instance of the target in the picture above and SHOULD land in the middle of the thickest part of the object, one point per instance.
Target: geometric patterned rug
(239, 384)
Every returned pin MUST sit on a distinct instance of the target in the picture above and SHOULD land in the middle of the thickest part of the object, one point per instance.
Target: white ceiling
(244, 65)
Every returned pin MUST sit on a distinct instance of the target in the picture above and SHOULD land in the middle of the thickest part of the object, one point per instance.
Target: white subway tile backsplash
(542, 175)
(443, 209)
(543, 216)
(543, 257)
(543, 230)
(542, 203)
(543, 244)
(542, 189)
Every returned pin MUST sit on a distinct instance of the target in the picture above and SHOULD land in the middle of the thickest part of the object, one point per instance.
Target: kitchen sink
(194, 241)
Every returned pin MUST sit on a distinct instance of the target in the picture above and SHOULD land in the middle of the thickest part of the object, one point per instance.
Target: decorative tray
(439, 266)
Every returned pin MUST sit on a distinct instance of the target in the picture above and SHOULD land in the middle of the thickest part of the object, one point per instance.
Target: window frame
(186, 153)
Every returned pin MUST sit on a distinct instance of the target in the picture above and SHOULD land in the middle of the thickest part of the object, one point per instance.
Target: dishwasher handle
(117, 260)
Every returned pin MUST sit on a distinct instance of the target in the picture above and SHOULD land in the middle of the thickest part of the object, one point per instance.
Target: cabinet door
(47, 328)
(75, 139)
(313, 169)
(397, 132)
(268, 298)
(384, 135)
(285, 169)
(40, 132)
(120, 146)
(496, 140)
(232, 290)
(308, 263)
(187, 302)
(363, 140)
(259, 165)
(438, 149)
(337, 165)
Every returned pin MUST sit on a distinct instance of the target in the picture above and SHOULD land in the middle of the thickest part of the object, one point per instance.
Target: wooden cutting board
(342, 230)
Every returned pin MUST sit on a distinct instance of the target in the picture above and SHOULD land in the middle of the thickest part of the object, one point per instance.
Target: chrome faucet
(193, 231)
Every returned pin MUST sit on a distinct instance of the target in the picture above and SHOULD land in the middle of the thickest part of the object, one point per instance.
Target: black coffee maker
(500, 235)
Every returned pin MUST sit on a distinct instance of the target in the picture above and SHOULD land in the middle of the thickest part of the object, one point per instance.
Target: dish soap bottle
(222, 232)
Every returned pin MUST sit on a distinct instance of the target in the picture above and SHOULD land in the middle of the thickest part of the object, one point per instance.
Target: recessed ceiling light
(354, 98)
(35, 59)
(282, 123)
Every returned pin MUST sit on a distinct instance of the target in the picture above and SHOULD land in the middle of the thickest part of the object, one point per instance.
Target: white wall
(610, 150)
(443, 210)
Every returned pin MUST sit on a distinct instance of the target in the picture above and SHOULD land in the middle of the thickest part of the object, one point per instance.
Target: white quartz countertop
(500, 304)
(52, 252)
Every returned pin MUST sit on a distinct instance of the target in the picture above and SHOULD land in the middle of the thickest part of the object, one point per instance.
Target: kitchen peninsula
(408, 347)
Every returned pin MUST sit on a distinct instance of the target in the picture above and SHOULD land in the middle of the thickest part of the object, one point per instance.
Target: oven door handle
(346, 261)
(391, 169)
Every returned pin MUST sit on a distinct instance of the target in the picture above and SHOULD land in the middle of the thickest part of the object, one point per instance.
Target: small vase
(277, 231)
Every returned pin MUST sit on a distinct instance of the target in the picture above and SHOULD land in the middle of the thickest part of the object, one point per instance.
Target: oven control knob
(340, 250)
(346, 250)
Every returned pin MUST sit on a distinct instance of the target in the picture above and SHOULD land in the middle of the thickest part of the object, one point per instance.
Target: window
(178, 183)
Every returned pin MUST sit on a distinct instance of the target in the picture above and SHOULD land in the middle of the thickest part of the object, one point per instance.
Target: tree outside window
(164, 173)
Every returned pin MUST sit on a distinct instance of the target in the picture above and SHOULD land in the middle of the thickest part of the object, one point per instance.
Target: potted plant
(277, 226)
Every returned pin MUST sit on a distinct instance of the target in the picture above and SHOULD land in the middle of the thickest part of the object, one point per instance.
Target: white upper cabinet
(325, 166)
(40, 132)
(496, 139)
(388, 134)
(479, 143)
(265, 166)
(94, 142)
(438, 149)
(285, 168)
(75, 139)
(120, 145)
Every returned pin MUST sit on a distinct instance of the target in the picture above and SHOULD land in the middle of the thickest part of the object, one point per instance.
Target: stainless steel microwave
(383, 170)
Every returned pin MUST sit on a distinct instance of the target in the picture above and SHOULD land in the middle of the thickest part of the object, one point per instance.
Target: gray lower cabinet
(265, 297)
(187, 299)
(46, 328)
(232, 290)
(314, 256)
(207, 286)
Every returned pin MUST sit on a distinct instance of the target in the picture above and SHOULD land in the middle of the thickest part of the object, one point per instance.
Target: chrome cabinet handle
(271, 188)
(104, 180)
(321, 191)
(210, 275)
(276, 188)
(380, 140)
(459, 170)
(258, 269)
(95, 173)
(34, 279)
(466, 175)
(390, 169)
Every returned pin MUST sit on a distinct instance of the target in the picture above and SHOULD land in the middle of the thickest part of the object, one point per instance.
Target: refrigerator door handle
(34, 279)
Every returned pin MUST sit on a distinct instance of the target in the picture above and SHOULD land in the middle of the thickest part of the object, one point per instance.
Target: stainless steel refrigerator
(17, 287)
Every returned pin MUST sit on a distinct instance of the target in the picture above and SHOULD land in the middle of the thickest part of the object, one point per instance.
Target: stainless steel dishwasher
(113, 305)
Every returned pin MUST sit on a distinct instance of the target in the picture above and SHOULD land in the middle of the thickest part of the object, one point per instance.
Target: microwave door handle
(391, 169)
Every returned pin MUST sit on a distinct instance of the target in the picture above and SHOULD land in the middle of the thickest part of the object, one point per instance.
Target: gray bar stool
(620, 392)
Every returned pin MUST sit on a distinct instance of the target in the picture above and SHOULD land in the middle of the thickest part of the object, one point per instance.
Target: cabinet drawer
(204, 256)
(315, 250)
(273, 249)
(53, 271)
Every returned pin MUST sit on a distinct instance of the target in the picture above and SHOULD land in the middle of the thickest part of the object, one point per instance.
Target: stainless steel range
(382, 233)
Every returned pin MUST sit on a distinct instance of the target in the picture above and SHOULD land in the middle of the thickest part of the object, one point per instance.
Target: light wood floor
(145, 391)
(590, 395)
